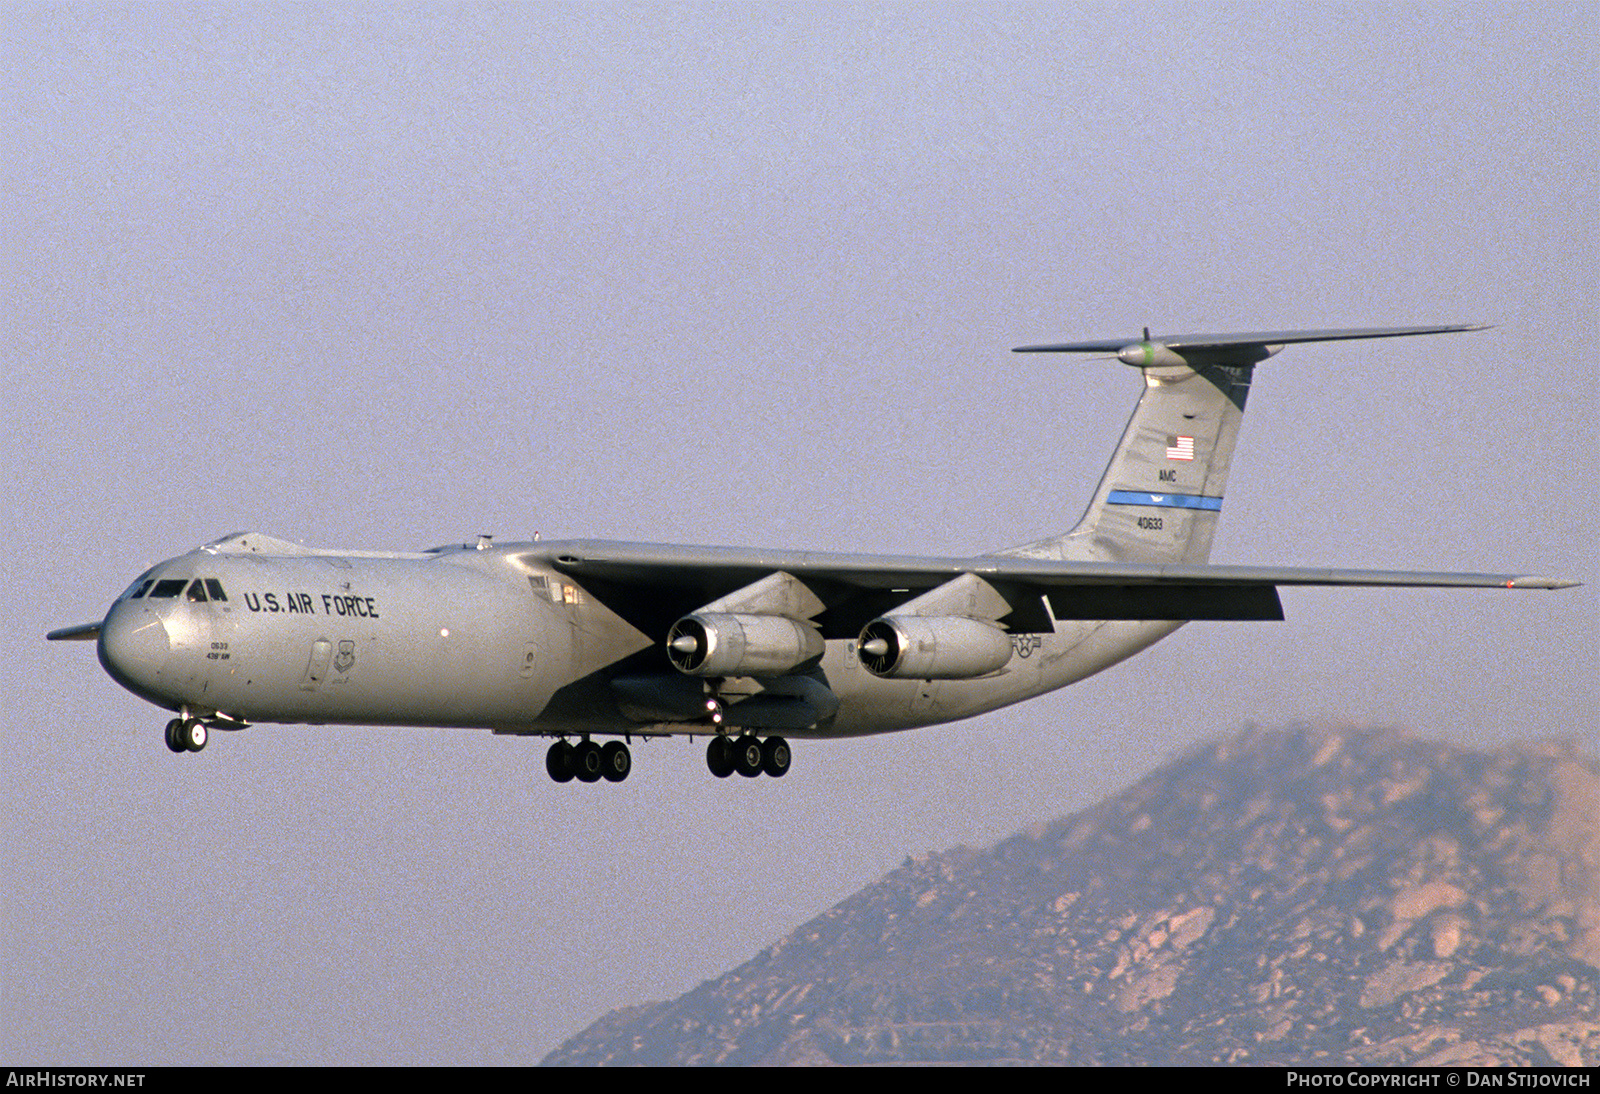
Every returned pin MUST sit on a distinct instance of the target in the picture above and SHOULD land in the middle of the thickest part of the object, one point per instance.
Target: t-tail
(1161, 495)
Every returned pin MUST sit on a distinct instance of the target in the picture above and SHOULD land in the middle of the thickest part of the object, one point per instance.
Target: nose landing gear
(187, 735)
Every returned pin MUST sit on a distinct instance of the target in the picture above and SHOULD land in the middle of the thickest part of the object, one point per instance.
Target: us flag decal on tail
(1180, 448)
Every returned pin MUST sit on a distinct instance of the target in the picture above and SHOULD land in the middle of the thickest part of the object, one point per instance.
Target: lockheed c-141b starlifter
(581, 640)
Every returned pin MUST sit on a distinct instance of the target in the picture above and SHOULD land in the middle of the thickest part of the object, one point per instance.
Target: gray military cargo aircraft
(583, 639)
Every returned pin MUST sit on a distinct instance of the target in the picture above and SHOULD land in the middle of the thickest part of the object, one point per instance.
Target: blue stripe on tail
(1165, 501)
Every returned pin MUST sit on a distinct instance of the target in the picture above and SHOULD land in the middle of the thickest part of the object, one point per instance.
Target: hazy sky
(390, 277)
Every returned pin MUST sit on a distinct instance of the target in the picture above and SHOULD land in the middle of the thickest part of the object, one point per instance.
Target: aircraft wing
(854, 588)
(648, 563)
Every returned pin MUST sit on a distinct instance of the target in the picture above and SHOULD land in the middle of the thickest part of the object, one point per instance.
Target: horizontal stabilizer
(1241, 341)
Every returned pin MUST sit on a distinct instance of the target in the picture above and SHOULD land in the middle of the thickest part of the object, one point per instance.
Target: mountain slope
(1331, 896)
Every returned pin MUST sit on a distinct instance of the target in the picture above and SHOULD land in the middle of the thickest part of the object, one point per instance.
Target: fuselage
(250, 630)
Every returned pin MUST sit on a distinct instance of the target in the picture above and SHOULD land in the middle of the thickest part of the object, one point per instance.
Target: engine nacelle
(933, 647)
(724, 644)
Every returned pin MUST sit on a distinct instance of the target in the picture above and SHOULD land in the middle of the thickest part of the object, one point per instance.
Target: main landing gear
(749, 755)
(588, 762)
(187, 735)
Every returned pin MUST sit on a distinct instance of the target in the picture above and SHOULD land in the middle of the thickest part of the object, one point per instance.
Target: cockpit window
(140, 588)
(167, 588)
(197, 591)
(214, 587)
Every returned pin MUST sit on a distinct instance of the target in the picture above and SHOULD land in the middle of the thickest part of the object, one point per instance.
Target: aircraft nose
(133, 648)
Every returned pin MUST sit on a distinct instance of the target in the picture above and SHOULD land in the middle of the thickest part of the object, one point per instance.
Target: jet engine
(726, 644)
(933, 647)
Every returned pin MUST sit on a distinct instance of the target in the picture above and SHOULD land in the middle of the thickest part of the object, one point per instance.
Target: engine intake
(933, 647)
(725, 644)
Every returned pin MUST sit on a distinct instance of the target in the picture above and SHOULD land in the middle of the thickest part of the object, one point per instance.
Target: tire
(616, 761)
(194, 735)
(747, 756)
(174, 740)
(775, 757)
(588, 763)
(558, 762)
(719, 756)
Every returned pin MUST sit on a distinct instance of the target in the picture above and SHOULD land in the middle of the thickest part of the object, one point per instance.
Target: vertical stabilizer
(1161, 496)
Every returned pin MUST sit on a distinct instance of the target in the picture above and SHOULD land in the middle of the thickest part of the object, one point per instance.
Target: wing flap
(1233, 603)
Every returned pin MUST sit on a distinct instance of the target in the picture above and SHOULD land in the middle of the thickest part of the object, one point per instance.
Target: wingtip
(1533, 582)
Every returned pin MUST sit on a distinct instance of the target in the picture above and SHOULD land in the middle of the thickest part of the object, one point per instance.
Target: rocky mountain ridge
(1328, 896)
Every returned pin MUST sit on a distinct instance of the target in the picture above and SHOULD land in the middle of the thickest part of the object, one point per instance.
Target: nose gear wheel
(187, 735)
